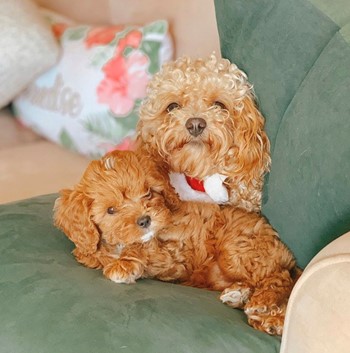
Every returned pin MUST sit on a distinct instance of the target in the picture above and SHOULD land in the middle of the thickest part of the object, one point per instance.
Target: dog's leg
(237, 295)
(266, 307)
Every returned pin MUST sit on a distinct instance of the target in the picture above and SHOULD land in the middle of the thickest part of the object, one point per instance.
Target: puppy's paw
(271, 324)
(235, 296)
(123, 271)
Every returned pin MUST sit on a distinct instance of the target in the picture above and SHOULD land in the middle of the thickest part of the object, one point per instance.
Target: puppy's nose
(144, 221)
(195, 126)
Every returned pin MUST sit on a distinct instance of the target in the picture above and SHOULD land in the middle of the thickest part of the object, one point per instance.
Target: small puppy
(201, 125)
(120, 222)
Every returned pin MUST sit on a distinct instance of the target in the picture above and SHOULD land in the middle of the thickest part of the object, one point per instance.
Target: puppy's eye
(172, 106)
(220, 105)
(111, 210)
(149, 195)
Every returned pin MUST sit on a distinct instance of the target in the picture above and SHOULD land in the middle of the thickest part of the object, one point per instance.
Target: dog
(201, 125)
(119, 220)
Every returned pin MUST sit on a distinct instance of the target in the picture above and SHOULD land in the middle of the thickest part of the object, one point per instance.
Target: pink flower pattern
(102, 35)
(125, 81)
(125, 75)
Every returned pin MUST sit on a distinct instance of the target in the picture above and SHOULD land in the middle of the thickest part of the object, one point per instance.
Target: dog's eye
(220, 105)
(111, 210)
(172, 106)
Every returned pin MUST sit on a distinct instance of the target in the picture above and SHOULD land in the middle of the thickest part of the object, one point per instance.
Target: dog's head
(118, 201)
(200, 117)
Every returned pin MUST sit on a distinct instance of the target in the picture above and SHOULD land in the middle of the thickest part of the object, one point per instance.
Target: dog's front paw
(265, 318)
(270, 322)
(123, 271)
(236, 296)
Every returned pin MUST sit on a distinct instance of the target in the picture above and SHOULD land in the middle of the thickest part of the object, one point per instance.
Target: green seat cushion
(50, 303)
(297, 55)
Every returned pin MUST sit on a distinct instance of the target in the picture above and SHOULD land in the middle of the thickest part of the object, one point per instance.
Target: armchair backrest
(297, 55)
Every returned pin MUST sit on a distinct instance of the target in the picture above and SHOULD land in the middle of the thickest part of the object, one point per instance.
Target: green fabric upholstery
(309, 187)
(51, 304)
(338, 11)
(275, 42)
(297, 55)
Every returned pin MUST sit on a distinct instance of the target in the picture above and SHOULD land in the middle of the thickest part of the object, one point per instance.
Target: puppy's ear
(253, 155)
(72, 216)
(159, 182)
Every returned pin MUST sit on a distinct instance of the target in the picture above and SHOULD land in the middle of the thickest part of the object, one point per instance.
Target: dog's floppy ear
(72, 216)
(159, 182)
(253, 155)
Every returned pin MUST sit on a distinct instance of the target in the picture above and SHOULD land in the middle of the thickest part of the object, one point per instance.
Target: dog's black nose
(144, 221)
(195, 126)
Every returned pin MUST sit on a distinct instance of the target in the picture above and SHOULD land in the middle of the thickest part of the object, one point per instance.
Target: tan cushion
(193, 23)
(27, 47)
(37, 168)
(317, 319)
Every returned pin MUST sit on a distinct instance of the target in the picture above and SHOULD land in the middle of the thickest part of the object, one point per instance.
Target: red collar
(195, 184)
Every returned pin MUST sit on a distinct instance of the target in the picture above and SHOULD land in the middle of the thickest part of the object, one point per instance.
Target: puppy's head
(118, 201)
(200, 117)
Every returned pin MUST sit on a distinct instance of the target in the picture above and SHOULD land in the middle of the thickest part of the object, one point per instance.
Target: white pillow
(89, 101)
(27, 47)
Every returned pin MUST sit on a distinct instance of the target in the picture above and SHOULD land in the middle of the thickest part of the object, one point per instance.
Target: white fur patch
(235, 298)
(148, 236)
(117, 279)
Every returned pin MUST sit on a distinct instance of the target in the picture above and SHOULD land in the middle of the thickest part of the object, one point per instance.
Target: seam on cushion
(306, 75)
(345, 30)
(297, 90)
(317, 5)
(318, 266)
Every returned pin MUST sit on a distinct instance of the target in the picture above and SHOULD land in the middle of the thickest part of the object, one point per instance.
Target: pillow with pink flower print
(89, 101)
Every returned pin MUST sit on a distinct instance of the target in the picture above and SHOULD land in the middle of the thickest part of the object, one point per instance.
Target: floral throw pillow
(89, 101)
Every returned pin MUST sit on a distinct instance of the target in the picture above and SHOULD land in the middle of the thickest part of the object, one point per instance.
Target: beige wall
(192, 22)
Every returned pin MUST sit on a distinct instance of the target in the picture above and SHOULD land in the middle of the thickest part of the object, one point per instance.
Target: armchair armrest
(318, 312)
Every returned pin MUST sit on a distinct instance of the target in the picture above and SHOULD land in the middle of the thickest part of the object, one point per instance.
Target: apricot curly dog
(120, 222)
(201, 126)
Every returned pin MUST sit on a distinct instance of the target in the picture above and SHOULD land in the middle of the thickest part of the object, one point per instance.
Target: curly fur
(203, 245)
(234, 142)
